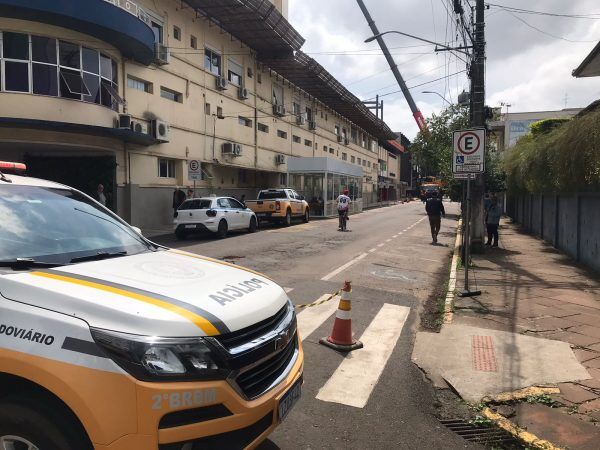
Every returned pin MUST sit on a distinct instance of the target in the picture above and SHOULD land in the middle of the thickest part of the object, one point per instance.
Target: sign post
(468, 160)
(194, 172)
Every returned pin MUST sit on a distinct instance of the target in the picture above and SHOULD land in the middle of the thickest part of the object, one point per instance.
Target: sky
(529, 57)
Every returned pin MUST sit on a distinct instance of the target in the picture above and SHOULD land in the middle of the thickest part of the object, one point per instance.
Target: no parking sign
(469, 151)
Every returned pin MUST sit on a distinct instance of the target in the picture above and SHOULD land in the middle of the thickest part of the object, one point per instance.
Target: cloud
(525, 67)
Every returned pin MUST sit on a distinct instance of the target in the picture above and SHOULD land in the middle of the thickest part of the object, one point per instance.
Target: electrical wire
(593, 16)
(520, 19)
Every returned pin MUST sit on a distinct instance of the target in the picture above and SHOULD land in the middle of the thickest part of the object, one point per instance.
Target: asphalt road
(389, 258)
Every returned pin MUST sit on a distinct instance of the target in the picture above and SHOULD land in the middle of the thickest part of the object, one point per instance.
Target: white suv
(215, 214)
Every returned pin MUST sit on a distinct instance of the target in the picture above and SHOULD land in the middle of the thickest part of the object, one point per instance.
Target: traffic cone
(341, 337)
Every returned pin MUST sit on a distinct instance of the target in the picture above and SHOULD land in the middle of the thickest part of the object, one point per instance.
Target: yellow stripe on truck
(199, 321)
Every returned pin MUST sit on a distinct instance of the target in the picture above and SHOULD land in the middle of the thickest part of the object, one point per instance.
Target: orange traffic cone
(341, 337)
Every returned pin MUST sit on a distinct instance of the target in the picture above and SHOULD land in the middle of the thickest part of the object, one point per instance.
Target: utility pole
(477, 116)
(407, 95)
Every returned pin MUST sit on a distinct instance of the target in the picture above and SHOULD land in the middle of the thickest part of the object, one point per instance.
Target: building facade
(127, 93)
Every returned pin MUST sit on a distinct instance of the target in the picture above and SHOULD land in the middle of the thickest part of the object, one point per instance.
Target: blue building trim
(97, 18)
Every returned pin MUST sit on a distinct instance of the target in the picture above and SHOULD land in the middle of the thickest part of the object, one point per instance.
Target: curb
(448, 313)
(527, 438)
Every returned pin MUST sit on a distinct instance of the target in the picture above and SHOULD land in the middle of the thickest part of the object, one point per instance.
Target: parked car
(108, 340)
(280, 205)
(215, 214)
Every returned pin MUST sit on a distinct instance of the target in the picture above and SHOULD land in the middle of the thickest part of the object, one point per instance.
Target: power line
(520, 19)
(593, 16)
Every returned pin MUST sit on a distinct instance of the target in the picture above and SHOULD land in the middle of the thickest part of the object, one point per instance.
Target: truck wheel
(31, 427)
(306, 217)
(253, 225)
(222, 230)
(288, 218)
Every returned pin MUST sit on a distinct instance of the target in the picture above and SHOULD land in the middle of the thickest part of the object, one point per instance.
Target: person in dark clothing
(178, 199)
(435, 211)
(492, 221)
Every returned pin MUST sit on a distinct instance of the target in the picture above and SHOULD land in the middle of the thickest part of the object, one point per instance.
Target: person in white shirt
(100, 197)
(343, 204)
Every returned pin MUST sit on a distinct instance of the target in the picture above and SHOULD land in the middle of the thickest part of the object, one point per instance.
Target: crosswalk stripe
(311, 318)
(357, 375)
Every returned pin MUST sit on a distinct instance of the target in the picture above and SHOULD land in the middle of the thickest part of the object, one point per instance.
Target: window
(235, 204)
(330, 150)
(344, 156)
(354, 135)
(369, 164)
(281, 134)
(296, 139)
(262, 127)
(207, 109)
(170, 94)
(223, 203)
(212, 62)
(337, 130)
(324, 148)
(352, 159)
(193, 42)
(364, 162)
(358, 161)
(245, 121)
(283, 179)
(234, 74)
(296, 108)
(259, 78)
(308, 142)
(177, 33)
(166, 168)
(309, 114)
(277, 94)
(140, 85)
(157, 29)
(219, 111)
(45, 66)
(364, 140)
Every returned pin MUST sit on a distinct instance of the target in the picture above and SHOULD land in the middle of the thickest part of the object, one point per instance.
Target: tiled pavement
(529, 287)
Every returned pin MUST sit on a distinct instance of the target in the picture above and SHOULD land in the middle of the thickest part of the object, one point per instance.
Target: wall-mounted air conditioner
(340, 138)
(139, 127)
(231, 148)
(301, 119)
(124, 121)
(346, 141)
(279, 110)
(162, 54)
(312, 125)
(161, 130)
(279, 159)
(242, 93)
(221, 83)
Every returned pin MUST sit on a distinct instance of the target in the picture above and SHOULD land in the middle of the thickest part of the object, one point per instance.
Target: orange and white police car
(109, 341)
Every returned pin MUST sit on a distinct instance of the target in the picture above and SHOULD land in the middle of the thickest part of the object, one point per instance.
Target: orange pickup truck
(279, 205)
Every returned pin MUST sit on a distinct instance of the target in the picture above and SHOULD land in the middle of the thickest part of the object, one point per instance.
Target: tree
(433, 152)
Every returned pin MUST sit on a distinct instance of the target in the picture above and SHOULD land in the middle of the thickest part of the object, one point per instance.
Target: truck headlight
(151, 358)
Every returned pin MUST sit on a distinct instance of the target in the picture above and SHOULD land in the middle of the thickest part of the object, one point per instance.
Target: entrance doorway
(81, 172)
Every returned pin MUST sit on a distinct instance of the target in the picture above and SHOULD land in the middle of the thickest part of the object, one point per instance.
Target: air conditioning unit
(340, 138)
(279, 110)
(124, 121)
(161, 130)
(162, 54)
(301, 119)
(221, 83)
(237, 150)
(279, 159)
(139, 127)
(346, 141)
(312, 125)
(243, 93)
(227, 148)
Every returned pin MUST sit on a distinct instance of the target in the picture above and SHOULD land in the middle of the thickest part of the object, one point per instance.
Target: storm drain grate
(486, 435)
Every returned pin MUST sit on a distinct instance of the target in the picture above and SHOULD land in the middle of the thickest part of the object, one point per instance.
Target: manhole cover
(489, 436)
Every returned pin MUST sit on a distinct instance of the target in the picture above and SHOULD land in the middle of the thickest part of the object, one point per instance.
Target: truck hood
(163, 293)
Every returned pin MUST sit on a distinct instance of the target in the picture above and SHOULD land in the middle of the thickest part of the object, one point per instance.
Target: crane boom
(394, 67)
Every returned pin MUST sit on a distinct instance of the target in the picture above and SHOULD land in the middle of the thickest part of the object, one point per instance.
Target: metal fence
(570, 222)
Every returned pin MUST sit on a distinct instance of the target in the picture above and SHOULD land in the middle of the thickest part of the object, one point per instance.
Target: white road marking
(311, 318)
(380, 245)
(387, 240)
(288, 290)
(330, 275)
(354, 380)
(372, 250)
(395, 236)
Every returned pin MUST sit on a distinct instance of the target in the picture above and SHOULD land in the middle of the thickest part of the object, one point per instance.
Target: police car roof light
(17, 167)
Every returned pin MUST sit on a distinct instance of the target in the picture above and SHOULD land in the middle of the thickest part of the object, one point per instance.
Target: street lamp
(445, 47)
(438, 94)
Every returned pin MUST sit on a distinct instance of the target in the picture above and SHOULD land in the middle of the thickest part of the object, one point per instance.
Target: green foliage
(433, 152)
(559, 158)
(546, 125)
(480, 421)
(544, 399)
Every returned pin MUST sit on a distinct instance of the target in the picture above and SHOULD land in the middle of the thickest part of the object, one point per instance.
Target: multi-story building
(127, 93)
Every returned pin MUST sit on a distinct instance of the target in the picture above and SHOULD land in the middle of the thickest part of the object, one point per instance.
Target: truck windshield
(271, 195)
(60, 225)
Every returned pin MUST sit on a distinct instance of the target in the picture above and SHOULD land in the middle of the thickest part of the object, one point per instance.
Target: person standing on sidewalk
(343, 205)
(492, 221)
(435, 210)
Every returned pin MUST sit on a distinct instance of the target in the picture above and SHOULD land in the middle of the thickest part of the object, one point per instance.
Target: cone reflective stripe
(341, 336)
